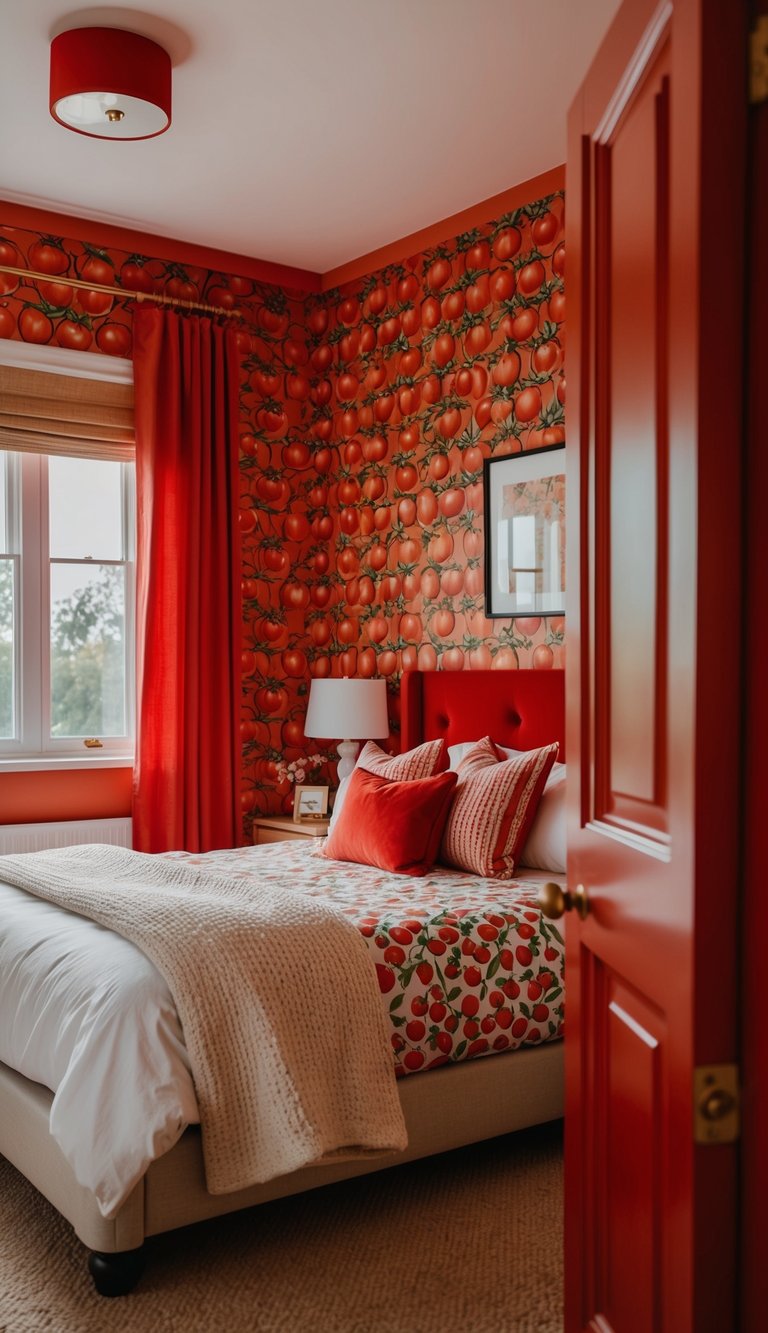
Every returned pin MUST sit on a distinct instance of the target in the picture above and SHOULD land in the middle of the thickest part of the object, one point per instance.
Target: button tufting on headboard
(523, 709)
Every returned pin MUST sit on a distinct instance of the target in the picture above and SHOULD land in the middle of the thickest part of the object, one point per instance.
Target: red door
(754, 1033)
(655, 206)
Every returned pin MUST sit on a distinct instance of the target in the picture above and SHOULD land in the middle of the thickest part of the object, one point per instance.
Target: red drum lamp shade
(110, 84)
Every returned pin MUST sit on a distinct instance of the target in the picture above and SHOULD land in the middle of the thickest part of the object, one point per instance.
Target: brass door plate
(716, 1104)
(758, 60)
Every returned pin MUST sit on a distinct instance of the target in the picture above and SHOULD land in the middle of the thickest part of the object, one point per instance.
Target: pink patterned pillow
(422, 762)
(493, 808)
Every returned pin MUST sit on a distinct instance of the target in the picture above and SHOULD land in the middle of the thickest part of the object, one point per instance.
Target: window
(66, 605)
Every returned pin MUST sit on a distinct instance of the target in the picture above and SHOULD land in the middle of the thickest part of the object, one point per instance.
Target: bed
(446, 1102)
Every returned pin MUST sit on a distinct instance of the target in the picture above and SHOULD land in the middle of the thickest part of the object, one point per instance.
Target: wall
(445, 360)
(366, 413)
(415, 374)
(84, 319)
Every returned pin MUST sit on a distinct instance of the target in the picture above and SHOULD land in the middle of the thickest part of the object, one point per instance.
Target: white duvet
(84, 1012)
(123, 1088)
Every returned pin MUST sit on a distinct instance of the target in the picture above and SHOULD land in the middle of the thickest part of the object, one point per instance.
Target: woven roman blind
(59, 414)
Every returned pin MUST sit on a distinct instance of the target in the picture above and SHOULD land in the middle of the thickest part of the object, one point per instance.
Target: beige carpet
(465, 1243)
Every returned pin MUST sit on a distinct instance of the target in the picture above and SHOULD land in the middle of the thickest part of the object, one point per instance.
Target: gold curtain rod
(119, 291)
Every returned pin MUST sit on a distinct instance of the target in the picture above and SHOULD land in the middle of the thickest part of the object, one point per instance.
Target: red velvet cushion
(393, 825)
(422, 762)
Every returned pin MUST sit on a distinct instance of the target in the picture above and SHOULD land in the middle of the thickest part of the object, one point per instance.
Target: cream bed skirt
(445, 1108)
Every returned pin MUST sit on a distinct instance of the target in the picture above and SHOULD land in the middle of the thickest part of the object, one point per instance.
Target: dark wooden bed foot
(116, 1274)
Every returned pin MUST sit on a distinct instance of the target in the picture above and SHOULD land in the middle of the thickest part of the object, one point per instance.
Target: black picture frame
(529, 485)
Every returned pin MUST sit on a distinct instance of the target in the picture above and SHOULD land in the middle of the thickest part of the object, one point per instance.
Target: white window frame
(34, 748)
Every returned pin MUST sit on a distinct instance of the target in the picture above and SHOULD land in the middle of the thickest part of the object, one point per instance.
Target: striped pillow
(493, 808)
(422, 762)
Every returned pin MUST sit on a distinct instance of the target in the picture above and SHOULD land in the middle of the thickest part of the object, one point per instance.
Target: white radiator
(37, 837)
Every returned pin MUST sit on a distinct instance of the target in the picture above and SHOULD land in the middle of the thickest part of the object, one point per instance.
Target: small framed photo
(524, 504)
(310, 803)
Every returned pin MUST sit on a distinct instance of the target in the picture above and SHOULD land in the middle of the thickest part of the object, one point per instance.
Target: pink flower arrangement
(299, 769)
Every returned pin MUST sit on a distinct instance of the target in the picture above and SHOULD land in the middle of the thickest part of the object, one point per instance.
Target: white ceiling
(306, 132)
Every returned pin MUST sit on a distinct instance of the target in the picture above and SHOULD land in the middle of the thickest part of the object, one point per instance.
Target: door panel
(630, 281)
(630, 1226)
(654, 552)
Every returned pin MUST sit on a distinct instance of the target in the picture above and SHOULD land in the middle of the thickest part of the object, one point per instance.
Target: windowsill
(60, 765)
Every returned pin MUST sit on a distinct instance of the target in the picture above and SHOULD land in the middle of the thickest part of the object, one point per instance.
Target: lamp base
(347, 756)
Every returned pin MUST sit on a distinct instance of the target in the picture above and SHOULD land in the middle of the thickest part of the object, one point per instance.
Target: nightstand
(281, 828)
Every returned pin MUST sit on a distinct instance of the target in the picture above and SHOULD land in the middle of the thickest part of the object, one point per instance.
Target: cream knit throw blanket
(277, 997)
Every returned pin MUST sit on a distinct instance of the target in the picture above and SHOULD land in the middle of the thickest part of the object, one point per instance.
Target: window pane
(85, 505)
(7, 728)
(88, 657)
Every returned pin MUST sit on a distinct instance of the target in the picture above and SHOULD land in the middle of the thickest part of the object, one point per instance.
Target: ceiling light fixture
(110, 84)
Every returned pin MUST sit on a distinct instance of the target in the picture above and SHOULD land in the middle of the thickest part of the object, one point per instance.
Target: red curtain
(186, 776)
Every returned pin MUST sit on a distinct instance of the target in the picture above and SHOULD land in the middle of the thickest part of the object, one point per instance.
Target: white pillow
(456, 753)
(338, 801)
(545, 845)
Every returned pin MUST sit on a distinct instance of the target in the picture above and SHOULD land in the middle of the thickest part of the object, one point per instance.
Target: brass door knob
(717, 1104)
(554, 900)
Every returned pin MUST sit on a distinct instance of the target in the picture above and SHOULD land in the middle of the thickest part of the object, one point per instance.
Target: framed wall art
(524, 503)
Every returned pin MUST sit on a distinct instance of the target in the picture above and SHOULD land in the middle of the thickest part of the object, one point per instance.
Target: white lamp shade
(346, 709)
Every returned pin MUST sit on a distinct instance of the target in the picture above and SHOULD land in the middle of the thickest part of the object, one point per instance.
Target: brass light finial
(114, 114)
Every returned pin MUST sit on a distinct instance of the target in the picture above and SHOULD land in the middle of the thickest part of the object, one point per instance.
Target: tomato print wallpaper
(416, 374)
(84, 319)
(366, 414)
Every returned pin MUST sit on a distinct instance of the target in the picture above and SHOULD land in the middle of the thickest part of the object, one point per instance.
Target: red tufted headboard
(520, 709)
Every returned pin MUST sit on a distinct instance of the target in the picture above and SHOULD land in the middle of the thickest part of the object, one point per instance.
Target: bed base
(445, 1108)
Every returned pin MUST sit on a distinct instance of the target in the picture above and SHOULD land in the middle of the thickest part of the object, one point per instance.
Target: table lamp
(355, 709)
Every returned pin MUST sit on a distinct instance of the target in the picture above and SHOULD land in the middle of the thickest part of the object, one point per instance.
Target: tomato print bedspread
(466, 966)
